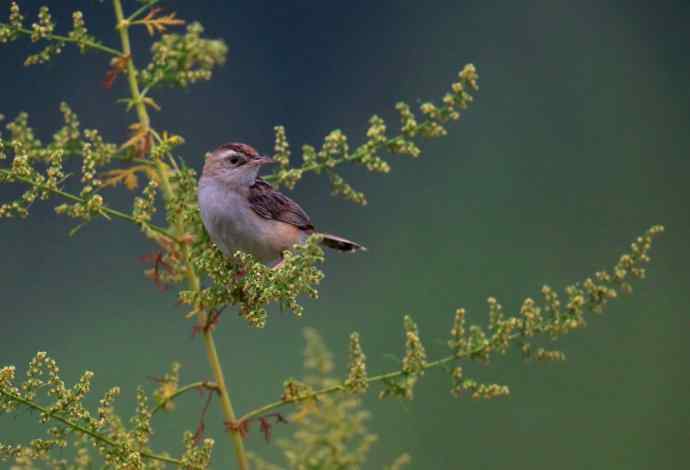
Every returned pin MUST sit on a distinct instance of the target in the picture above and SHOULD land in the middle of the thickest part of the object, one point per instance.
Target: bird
(242, 211)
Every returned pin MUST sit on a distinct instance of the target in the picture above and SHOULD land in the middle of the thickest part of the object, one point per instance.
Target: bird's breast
(233, 225)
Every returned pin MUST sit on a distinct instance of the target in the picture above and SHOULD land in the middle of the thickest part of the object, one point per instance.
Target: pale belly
(233, 226)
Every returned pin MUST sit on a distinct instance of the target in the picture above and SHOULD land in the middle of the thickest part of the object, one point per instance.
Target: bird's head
(235, 164)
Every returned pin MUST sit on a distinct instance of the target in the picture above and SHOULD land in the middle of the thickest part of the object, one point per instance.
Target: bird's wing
(271, 204)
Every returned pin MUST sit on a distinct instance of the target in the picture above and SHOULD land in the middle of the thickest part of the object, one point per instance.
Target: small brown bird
(243, 212)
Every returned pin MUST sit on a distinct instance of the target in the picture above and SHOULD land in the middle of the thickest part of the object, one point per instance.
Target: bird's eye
(234, 160)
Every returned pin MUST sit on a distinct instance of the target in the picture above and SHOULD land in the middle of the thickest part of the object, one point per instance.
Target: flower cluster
(145, 206)
(42, 31)
(415, 355)
(10, 31)
(243, 281)
(181, 206)
(28, 155)
(281, 149)
(356, 381)
(62, 410)
(91, 203)
(167, 386)
(44, 27)
(183, 59)
(475, 389)
(79, 34)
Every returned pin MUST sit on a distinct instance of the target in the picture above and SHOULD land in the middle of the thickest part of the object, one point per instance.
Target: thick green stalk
(192, 278)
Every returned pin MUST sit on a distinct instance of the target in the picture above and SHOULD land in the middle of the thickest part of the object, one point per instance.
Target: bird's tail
(340, 243)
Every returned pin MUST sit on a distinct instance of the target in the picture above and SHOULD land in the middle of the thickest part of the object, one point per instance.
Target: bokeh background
(578, 141)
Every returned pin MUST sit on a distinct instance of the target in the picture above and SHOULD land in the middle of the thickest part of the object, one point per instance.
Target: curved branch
(182, 390)
(141, 10)
(592, 297)
(105, 211)
(86, 42)
(318, 166)
(341, 387)
(77, 427)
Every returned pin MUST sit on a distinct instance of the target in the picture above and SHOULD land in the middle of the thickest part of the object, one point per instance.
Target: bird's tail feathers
(340, 243)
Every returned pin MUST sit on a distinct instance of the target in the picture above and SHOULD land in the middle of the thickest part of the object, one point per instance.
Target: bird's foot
(279, 264)
(212, 320)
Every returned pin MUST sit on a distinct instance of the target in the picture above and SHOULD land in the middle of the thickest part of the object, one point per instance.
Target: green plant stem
(87, 43)
(105, 211)
(376, 378)
(148, 87)
(141, 10)
(181, 391)
(77, 427)
(318, 167)
(337, 388)
(356, 155)
(592, 304)
(192, 278)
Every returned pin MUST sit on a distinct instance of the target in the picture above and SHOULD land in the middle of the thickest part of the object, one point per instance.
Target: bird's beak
(262, 160)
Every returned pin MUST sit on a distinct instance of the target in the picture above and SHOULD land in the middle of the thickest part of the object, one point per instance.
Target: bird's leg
(279, 264)
(211, 322)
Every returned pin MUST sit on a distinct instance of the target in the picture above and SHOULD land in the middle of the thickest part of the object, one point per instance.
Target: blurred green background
(577, 142)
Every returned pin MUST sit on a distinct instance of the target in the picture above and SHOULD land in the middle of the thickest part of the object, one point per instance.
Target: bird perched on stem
(243, 212)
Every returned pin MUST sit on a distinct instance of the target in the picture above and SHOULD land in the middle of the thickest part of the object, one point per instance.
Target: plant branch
(141, 10)
(183, 390)
(77, 427)
(316, 167)
(592, 296)
(341, 387)
(148, 87)
(192, 278)
(105, 211)
(87, 43)
(319, 166)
